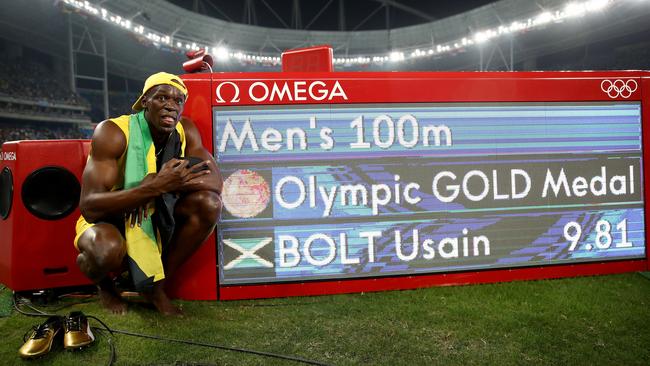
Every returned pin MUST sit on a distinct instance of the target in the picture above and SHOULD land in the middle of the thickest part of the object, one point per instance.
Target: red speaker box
(39, 199)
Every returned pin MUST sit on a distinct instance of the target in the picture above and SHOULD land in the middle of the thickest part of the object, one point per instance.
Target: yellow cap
(160, 79)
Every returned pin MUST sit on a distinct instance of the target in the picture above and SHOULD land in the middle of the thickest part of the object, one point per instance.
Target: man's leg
(196, 214)
(101, 251)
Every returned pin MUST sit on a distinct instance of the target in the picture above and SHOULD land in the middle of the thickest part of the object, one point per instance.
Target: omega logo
(283, 91)
(235, 97)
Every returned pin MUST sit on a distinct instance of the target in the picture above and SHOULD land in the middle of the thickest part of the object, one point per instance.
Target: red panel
(197, 278)
(309, 59)
(199, 107)
(645, 110)
(413, 282)
(37, 253)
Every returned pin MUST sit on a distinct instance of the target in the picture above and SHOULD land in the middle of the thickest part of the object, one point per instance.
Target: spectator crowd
(29, 93)
(14, 131)
(30, 80)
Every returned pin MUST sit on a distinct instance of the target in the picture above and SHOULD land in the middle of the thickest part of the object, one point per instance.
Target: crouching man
(150, 195)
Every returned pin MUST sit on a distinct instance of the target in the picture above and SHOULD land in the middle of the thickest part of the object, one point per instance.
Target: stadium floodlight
(396, 56)
(574, 10)
(595, 5)
(545, 17)
(221, 53)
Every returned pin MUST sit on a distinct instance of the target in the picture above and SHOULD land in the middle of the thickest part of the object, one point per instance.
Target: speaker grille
(51, 193)
(6, 192)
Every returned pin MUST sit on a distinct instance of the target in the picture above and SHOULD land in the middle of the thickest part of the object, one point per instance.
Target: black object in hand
(195, 162)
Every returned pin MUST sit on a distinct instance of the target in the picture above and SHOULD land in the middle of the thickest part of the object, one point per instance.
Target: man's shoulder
(189, 128)
(110, 136)
(122, 121)
(186, 123)
(113, 125)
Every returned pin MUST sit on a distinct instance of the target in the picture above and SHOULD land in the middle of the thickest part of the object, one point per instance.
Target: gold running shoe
(42, 336)
(77, 331)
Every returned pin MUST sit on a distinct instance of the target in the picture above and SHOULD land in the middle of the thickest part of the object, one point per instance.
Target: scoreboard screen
(319, 192)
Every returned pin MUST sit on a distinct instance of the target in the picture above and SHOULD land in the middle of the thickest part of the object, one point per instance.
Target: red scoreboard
(363, 181)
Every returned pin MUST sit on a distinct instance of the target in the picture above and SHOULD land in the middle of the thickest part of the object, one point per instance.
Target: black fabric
(118, 222)
(192, 161)
(163, 218)
(140, 280)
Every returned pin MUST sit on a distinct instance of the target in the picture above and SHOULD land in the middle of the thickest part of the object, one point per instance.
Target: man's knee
(105, 245)
(206, 205)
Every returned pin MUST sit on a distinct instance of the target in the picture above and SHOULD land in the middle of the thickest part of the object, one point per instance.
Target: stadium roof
(330, 15)
(168, 18)
(43, 25)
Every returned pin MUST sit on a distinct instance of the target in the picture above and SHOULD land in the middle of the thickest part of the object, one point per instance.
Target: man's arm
(98, 202)
(194, 147)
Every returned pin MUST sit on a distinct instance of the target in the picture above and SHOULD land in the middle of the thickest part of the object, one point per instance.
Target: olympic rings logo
(619, 88)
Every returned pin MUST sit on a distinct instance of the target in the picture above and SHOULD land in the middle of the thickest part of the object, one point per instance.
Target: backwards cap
(160, 79)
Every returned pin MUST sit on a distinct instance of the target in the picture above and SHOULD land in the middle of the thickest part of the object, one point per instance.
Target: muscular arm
(194, 147)
(97, 201)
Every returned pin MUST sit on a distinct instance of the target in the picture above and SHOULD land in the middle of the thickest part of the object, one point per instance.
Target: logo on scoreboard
(618, 88)
(282, 91)
(230, 89)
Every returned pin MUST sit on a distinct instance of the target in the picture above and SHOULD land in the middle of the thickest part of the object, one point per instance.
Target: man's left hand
(209, 181)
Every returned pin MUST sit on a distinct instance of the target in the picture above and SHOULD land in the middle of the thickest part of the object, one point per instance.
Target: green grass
(603, 320)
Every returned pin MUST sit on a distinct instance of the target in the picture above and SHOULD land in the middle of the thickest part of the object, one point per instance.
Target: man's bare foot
(110, 298)
(159, 299)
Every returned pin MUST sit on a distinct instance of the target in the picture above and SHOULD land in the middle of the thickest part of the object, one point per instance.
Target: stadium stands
(34, 104)
(120, 103)
(28, 80)
(25, 130)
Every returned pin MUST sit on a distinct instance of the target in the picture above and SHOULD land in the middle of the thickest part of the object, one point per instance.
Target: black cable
(113, 355)
(18, 309)
(61, 307)
(182, 341)
(234, 349)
